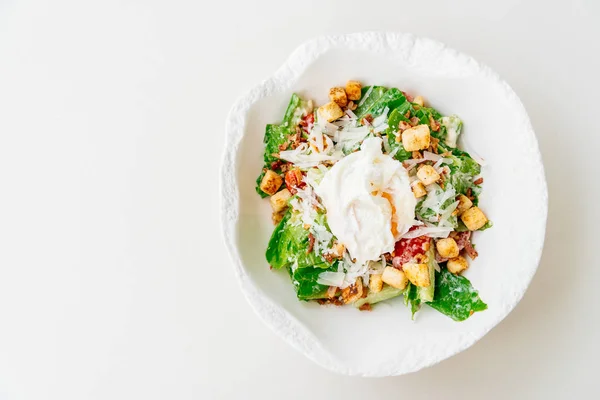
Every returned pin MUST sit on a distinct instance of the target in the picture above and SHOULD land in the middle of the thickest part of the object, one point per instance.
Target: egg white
(369, 201)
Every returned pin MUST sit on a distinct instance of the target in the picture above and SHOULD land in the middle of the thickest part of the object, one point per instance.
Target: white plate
(496, 127)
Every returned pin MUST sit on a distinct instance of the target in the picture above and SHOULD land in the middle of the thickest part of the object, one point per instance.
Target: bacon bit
(293, 180)
(478, 181)
(470, 250)
(335, 301)
(309, 119)
(275, 165)
(414, 121)
(408, 97)
(433, 144)
(271, 267)
(295, 138)
(407, 115)
(417, 155)
(311, 243)
(403, 125)
(435, 126)
(365, 307)
(331, 291)
(463, 241)
(284, 146)
(368, 118)
(285, 167)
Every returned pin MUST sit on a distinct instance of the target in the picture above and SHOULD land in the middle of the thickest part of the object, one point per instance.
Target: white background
(114, 279)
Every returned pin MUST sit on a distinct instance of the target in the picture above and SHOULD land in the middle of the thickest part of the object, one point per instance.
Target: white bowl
(386, 341)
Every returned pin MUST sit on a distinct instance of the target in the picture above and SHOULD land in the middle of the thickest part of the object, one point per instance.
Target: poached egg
(369, 201)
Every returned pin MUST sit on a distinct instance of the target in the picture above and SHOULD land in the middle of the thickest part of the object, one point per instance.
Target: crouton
(394, 277)
(473, 218)
(279, 200)
(375, 283)
(447, 248)
(338, 96)
(464, 203)
(419, 100)
(418, 189)
(418, 274)
(457, 265)
(271, 182)
(276, 217)
(353, 292)
(338, 249)
(330, 112)
(427, 174)
(353, 90)
(416, 138)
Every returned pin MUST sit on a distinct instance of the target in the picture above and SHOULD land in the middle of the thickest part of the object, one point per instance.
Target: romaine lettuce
(289, 246)
(368, 102)
(455, 297)
(388, 292)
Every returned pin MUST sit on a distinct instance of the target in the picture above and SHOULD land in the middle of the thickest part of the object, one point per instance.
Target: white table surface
(114, 279)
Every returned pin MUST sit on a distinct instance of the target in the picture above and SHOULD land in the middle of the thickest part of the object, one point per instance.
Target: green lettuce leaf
(426, 294)
(391, 99)
(455, 297)
(388, 292)
(305, 282)
(463, 170)
(394, 119)
(276, 135)
(289, 245)
(369, 101)
(412, 298)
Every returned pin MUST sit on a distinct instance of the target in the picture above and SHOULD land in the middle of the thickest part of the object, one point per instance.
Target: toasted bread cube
(418, 189)
(418, 274)
(353, 90)
(457, 265)
(279, 200)
(416, 138)
(473, 218)
(330, 112)
(419, 100)
(277, 217)
(447, 248)
(353, 292)
(464, 203)
(271, 182)
(337, 250)
(427, 174)
(338, 96)
(394, 277)
(375, 283)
